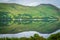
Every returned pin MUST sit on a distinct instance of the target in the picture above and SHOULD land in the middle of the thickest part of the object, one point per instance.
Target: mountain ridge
(12, 12)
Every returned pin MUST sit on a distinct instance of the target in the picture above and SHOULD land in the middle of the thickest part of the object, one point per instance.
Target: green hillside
(15, 18)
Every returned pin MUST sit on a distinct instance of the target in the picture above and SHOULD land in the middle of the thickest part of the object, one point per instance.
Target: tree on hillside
(54, 37)
(36, 37)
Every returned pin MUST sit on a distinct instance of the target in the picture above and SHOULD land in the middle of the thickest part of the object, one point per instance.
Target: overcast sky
(33, 2)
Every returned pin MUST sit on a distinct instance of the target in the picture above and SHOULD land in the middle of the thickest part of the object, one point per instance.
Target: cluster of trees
(7, 19)
(36, 37)
(54, 37)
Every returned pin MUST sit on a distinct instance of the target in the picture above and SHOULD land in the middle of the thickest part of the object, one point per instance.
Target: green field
(15, 18)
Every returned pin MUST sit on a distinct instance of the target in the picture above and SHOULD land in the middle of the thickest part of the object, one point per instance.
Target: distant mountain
(15, 18)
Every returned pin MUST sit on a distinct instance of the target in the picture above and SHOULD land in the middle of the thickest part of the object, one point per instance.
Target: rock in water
(15, 18)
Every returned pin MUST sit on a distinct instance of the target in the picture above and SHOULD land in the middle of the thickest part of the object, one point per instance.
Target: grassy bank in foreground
(36, 37)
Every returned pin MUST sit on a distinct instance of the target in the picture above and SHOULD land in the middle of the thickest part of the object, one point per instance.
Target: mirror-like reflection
(6, 19)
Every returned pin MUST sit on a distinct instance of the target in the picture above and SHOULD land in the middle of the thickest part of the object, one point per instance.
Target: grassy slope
(44, 10)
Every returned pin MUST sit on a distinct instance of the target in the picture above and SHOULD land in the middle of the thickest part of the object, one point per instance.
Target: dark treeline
(7, 19)
(36, 37)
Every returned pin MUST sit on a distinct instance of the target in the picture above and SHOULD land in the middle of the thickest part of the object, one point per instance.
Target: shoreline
(26, 34)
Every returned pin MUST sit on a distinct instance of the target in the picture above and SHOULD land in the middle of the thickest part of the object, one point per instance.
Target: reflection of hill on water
(15, 18)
